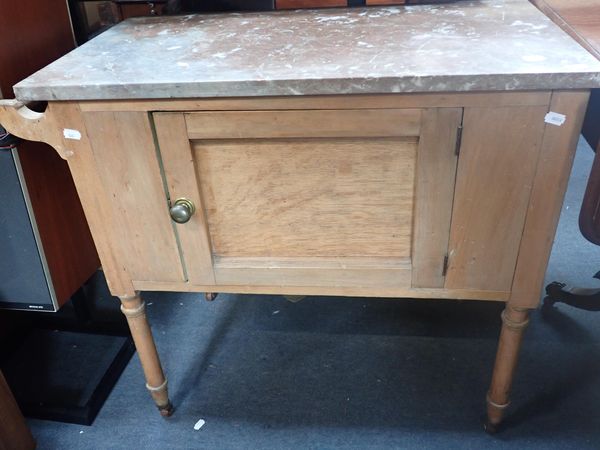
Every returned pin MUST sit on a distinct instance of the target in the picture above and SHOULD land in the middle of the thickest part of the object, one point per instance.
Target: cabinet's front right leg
(514, 322)
(134, 309)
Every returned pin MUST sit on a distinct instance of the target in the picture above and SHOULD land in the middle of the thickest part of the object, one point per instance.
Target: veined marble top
(464, 46)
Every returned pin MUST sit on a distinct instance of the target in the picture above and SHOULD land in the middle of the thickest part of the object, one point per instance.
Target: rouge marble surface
(463, 46)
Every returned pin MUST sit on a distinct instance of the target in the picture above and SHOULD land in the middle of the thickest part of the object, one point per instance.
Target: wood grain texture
(47, 127)
(293, 4)
(375, 273)
(304, 124)
(579, 18)
(515, 320)
(95, 203)
(35, 40)
(259, 176)
(126, 162)
(549, 186)
(320, 197)
(394, 292)
(180, 175)
(134, 309)
(327, 102)
(65, 236)
(436, 174)
(496, 167)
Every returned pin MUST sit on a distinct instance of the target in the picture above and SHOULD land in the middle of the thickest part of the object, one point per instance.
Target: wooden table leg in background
(14, 434)
(134, 309)
(514, 322)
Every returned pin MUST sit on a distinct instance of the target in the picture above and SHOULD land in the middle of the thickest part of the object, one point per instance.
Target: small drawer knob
(182, 210)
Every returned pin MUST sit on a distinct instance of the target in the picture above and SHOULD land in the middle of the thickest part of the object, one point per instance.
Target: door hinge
(459, 131)
(445, 266)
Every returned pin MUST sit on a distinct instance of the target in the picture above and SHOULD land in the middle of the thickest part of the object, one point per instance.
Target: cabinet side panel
(552, 175)
(496, 168)
(436, 173)
(127, 164)
(94, 199)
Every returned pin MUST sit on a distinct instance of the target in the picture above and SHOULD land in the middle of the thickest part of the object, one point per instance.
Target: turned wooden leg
(134, 309)
(514, 321)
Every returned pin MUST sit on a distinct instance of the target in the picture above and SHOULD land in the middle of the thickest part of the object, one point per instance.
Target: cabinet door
(313, 197)
(498, 160)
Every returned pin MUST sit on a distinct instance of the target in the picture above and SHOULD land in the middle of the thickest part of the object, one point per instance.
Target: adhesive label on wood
(555, 118)
(68, 133)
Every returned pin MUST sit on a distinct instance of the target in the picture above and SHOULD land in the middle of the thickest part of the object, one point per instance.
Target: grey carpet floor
(357, 373)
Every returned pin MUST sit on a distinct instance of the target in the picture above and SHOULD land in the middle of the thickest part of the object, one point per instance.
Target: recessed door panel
(308, 198)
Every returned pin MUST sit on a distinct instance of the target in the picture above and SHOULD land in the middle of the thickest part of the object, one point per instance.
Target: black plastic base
(587, 299)
(63, 366)
(69, 376)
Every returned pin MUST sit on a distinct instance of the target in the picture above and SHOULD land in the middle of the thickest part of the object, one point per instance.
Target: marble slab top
(464, 46)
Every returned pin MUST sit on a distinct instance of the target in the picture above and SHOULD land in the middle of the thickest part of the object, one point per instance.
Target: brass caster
(489, 427)
(166, 411)
(210, 296)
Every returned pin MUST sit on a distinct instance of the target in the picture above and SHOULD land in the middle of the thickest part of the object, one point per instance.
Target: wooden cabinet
(452, 195)
(310, 154)
(399, 195)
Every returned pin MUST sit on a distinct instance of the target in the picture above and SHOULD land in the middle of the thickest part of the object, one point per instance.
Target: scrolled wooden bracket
(60, 126)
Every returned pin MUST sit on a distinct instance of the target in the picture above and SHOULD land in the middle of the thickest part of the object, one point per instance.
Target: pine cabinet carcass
(260, 161)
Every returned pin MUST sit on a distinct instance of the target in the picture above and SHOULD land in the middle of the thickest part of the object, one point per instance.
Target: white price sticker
(554, 118)
(72, 134)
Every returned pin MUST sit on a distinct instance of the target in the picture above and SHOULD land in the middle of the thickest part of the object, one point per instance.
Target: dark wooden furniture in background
(14, 434)
(108, 13)
(129, 9)
(581, 19)
(36, 41)
(133, 8)
(293, 4)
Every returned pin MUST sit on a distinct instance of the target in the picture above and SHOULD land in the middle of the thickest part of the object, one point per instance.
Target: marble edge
(265, 88)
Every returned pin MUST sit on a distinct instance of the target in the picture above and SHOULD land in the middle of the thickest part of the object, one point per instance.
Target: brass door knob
(182, 210)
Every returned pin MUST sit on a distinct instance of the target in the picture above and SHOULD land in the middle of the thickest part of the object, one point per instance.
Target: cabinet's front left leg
(514, 322)
(134, 309)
